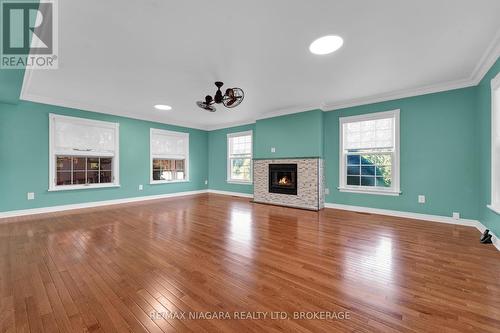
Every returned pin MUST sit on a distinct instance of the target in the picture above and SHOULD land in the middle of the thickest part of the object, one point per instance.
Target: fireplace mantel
(309, 186)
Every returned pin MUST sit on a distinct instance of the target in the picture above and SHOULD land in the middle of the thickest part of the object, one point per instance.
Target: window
(82, 170)
(495, 145)
(169, 156)
(369, 153)
(83, 153)
(239, 157)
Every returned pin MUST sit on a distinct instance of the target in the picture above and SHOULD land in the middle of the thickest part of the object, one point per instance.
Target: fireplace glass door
(283, 178)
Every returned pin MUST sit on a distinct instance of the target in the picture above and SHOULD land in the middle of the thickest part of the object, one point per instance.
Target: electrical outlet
(206, 182)
(327, 191)
(456, 216)
(31, 195)
(141, 187)
(273, 150)
(421, 199)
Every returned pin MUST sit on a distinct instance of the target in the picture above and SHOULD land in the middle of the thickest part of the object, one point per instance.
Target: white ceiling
(122, 57)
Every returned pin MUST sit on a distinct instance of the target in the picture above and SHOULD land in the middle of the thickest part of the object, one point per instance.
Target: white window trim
(228, 162)
(52, 154)
(185, 135)
(395, 189)
(494, 206)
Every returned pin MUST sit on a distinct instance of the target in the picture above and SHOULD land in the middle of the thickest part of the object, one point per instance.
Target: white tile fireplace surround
(309, 183)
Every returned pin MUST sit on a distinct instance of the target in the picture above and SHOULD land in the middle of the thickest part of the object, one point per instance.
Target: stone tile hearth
(310, 180)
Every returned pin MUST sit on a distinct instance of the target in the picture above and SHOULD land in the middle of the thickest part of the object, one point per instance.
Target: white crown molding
(488, 59)
(51, 209)
(234, 194)
(28, 74)
(271, 114)
(98, 108)
(452, 85)
(417, 216)
(289, 110)
(229, 125)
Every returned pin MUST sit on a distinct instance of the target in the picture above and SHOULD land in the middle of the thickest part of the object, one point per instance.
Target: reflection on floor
(131, 267)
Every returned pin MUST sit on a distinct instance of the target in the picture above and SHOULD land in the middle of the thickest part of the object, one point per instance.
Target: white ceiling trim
(228, 125)
(104, 110)
(399, 94)
(489, 57)
(25, 96)
(272, 114)
(290, 110)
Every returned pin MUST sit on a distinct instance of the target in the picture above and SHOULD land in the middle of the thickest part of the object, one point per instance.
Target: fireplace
(283, 178)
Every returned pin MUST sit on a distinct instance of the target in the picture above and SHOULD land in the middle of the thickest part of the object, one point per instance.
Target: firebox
(283, 178)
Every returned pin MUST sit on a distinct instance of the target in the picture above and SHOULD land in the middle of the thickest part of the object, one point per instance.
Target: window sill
(494, 209)
(155, 182)
(81, 187)
(367, 191)
(239, 182)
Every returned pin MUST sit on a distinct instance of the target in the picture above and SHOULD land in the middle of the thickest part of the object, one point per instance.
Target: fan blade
(206, 106)
(230, 93)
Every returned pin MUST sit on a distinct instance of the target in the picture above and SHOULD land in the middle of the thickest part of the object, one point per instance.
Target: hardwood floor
(123, 268)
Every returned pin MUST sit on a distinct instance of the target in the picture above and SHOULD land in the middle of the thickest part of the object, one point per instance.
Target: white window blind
(83, 153)
(77, 136)
(168, 144)
(240, 146)
(169, 156)
(369, 134)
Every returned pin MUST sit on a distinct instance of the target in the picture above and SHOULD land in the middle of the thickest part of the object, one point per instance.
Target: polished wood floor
(140, 267)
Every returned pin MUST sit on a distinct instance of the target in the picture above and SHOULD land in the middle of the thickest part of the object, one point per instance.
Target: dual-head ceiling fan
(230, 99)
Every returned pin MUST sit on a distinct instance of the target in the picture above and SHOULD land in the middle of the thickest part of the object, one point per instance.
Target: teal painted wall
(217, 160)
(439, 155)
(445, 153)
(295, 135)
(11, 81)
(490, 219)
(24, 151)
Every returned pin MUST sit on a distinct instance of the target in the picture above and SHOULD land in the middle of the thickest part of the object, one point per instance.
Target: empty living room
(258, 166)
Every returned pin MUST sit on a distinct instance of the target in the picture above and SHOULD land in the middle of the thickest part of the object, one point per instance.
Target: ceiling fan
(232, 98)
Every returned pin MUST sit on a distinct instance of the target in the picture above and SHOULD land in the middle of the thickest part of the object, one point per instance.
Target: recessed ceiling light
(163, 107)
(326, 45)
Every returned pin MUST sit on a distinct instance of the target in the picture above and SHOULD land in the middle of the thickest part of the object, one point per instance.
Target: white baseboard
(417, 216)
(52, 209)
(410, 215)
(494, 239)
(14, 213)
(234, 194)
(425, 217)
